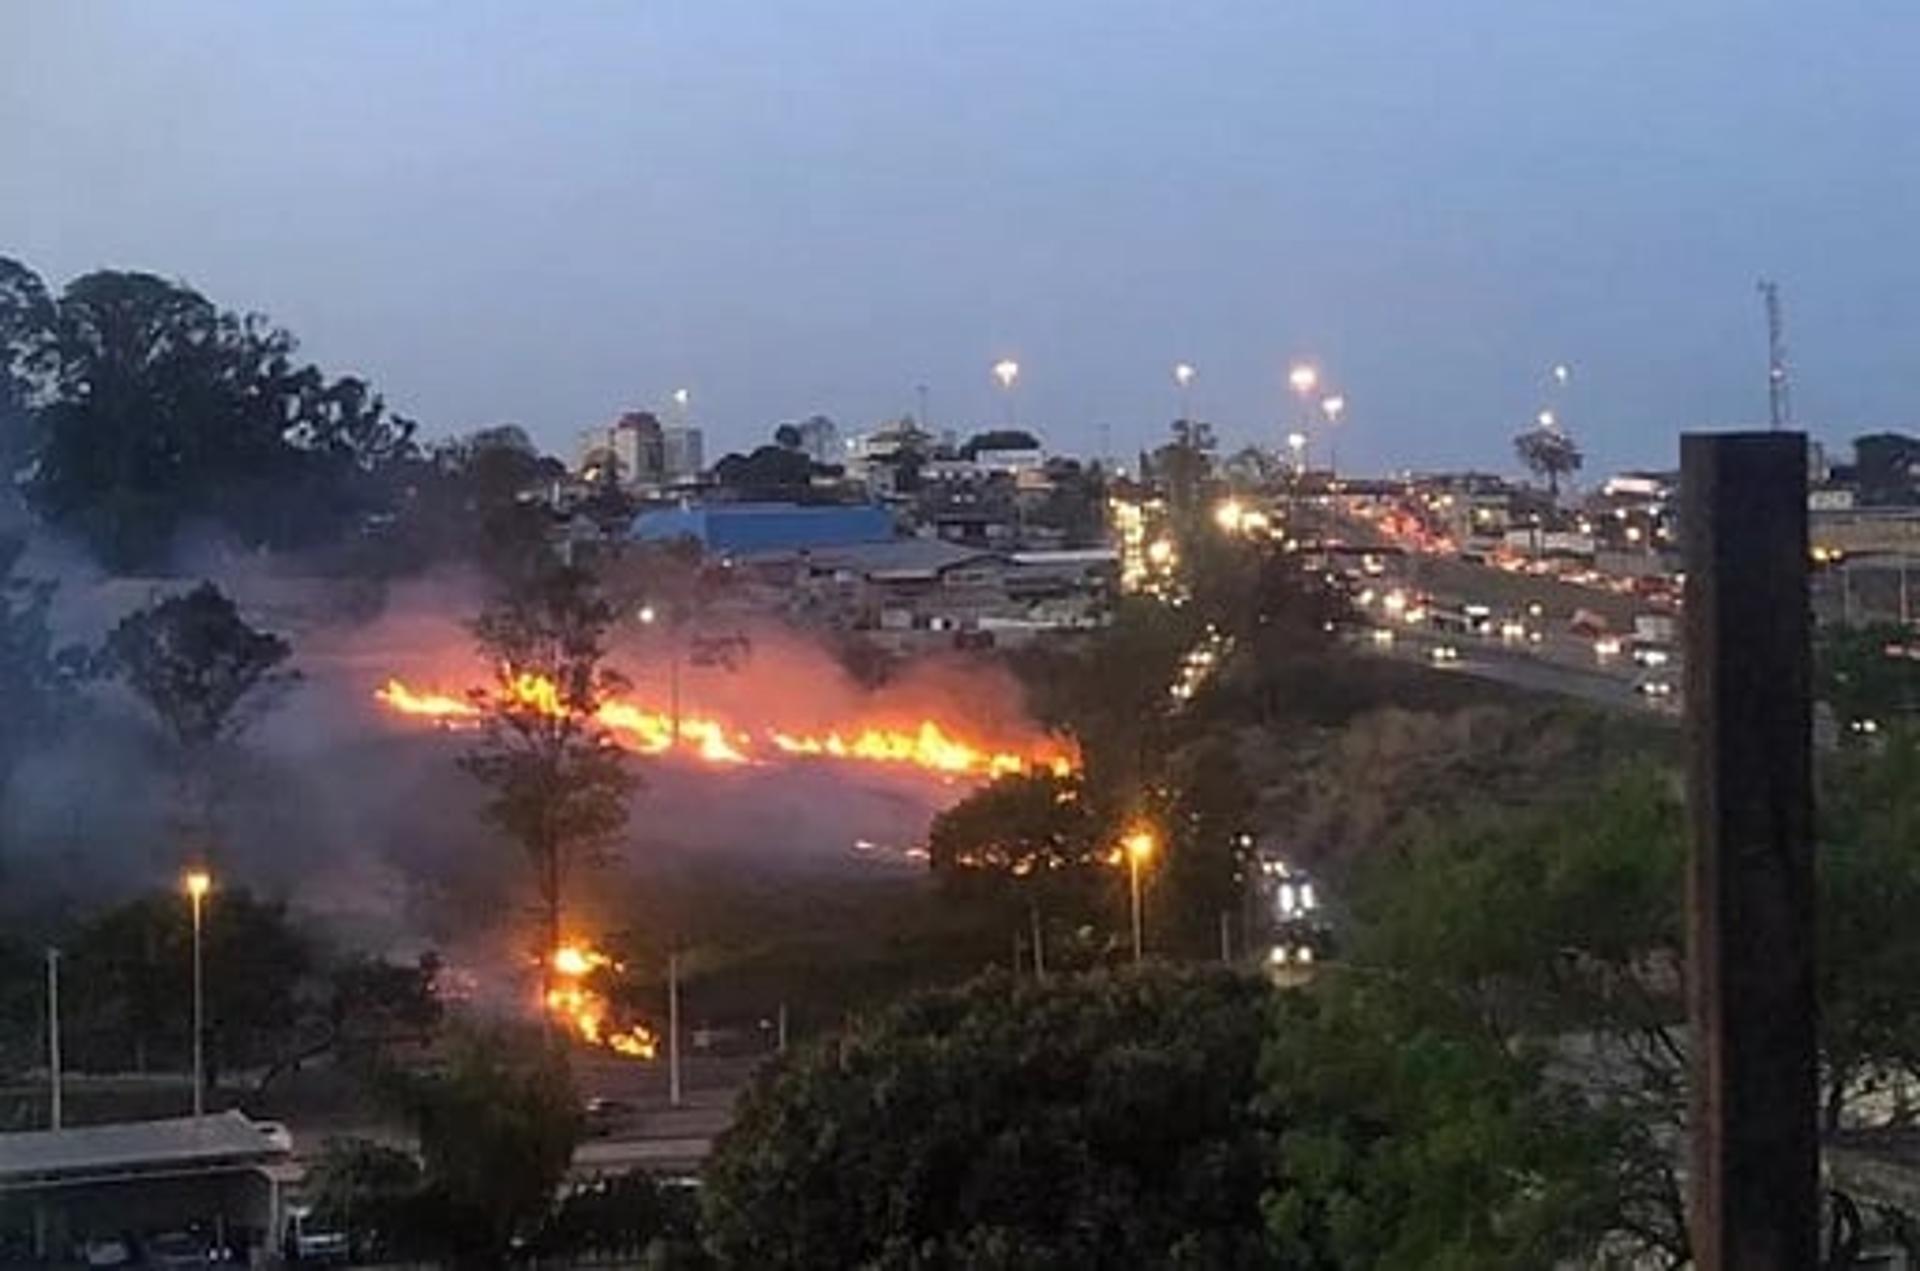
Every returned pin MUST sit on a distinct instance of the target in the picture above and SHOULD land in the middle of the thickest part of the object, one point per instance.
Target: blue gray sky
(546, 213)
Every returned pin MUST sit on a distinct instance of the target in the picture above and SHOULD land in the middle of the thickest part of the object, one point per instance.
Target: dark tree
(37, 678)
(770, 472)
(128, 974)
(152, 409)
(497, 1125)
(205, 674)
(1087, 1122)
(1548, 452)
(558, 781)
(999, 439)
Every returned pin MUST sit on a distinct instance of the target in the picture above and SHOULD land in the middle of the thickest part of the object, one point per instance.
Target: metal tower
(1779, 396)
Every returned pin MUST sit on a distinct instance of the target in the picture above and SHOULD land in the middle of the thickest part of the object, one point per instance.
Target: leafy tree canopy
(1549, 453)
(148, 408)
(999, 439)
(1088, 1122)
(197, 664)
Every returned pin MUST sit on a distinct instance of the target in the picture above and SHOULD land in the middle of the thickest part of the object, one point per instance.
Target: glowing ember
(573, 1002)
(929, 746)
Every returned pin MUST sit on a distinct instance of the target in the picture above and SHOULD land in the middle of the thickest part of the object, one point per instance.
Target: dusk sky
(546, 213)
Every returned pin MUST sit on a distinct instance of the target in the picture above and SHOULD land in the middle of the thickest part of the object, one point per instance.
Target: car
(1607, 647)
(106, 1253)
(1443, 654)
(277, 1134)
(604, 1115)
(1654, 687)
(176, 1251)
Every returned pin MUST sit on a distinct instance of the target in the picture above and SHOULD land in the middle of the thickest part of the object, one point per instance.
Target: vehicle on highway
(1606, 647)
(1443, 654)
(1648, 654)
(1654, 688)
(604, 1116)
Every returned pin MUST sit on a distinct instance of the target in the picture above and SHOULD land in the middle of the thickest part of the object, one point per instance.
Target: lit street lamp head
(1183, 373)
(1304, 378)
(1546, 419)
(1141, 846)
(1006, 370)
(1332, 406)
(647, 615)
(1296, 441)
(681, 397)
(197, 882)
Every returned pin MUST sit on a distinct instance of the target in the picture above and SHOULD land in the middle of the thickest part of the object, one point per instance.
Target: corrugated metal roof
(124, 1145)
(765, 527)
(904, 556)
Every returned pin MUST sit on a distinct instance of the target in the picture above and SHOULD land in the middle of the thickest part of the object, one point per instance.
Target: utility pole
(1779, 396)
(673, 1028)
(54, 1076)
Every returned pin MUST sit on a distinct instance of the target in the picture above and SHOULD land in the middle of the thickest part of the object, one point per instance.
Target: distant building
(634, 445)
(1886, 469)
(684, 452)
(731, 529)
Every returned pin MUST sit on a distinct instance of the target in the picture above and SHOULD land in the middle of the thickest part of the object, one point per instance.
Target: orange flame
(583, 1010)
(930, 746)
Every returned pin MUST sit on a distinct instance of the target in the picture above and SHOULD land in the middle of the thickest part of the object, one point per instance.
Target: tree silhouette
(1547, 451)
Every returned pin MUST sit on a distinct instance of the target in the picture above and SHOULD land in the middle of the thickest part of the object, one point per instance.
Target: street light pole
(1007, 372)
(673, 1028)
(1139, 848)
(54, 1076)
(198, 883)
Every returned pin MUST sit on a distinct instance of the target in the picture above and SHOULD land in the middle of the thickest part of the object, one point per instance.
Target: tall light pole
(673, 1026)
(1007, 372)
(1297, 443)
(54, 1076)
(1183, 376)
(1332, 406)
(1139, 847)
(1303, 378)
(648, 616)
(682, 400)
(198, 883)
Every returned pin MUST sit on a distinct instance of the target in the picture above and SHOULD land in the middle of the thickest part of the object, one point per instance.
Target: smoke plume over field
(359, 815)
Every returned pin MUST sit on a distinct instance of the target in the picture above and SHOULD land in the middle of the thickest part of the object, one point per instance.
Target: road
(1557, 661)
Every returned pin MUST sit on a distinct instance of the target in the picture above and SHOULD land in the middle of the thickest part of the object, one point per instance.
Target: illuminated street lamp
(682, 399)
(1183, 376)
(1007, 372)
(1547, 419)
(1140, 847)
(1297, 443)
(198, 883)
(1561, 373)
(1303, 378)
(648, 616)
(1332, 406)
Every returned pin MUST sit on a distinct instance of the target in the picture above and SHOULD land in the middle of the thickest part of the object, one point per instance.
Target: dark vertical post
(1755, 1177)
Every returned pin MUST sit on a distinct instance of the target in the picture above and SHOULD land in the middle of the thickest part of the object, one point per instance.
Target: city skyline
(497, 217)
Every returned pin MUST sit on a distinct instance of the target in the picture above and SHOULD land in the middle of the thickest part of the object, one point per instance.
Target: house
(740, 529)
(906, 584)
